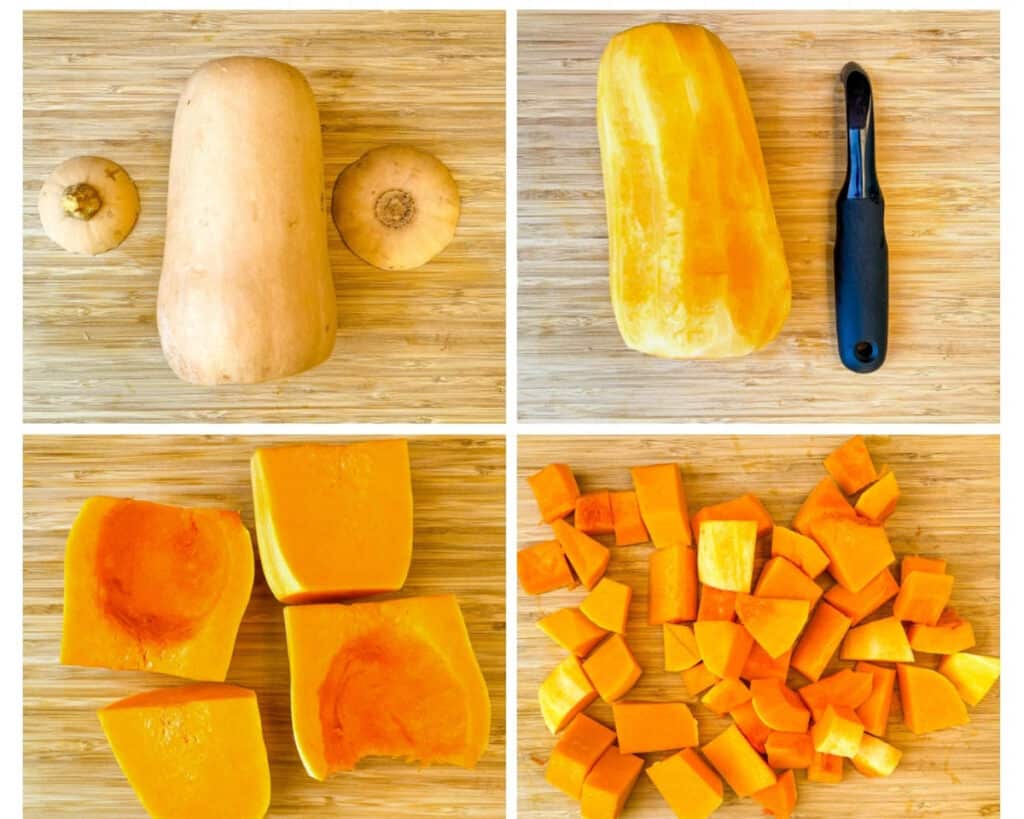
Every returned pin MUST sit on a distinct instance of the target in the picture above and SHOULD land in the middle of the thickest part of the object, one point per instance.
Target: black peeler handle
(861, 253)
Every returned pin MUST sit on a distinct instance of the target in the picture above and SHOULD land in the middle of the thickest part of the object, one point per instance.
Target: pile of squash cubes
(734, 639)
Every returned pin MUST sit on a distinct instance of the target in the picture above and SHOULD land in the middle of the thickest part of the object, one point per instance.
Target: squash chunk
(773, 623)
(838, 732)
(778, 799)
(612, 668)
(608, 605)
(738, 763)
(155, 587)
(577, 751)
(880, 640)
(745, 507)
(750, 725)
(726, 695)
(820, 640)
(697, 679)
(697, 264)
(680, 645)
(922, 597)
(543, 568)
(629, 525)
(879, 500)
(799, 550)
(410, 659)
(868, 600)
(725, 554)
(846, 688)
(874, 711)
(662, 500)
(778, 707)
(825, 768)
(876, 757)
(333, 521)
(948, 636)
(572, 630)
(789, 750)
(760, 666)
(716, 604)
(687, 783)
(565, 692)
(972, 674)
(930, 701)
(194, 752)
(609, 784)
(850, 466)
(857, 551)
(588, 558)
(594, 513)
(654, 726)
(824, 501)
(672, 585)
(780, 578)
(723, 646)
(555, 490)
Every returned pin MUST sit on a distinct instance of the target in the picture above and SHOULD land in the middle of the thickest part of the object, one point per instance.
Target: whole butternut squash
(246, 292)
(697, 264)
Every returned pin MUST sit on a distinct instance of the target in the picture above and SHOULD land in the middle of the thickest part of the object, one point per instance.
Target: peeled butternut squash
(333, 520)
(396, 678)
(155, 587)
(246, 293)
(194, 752)
(697, 264)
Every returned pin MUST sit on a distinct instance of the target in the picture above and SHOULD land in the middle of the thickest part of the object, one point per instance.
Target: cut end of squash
(396, 207)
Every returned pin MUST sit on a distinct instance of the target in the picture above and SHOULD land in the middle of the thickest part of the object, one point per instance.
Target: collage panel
(630, 660)
(722, 248)
(381, 299)
(152, 589)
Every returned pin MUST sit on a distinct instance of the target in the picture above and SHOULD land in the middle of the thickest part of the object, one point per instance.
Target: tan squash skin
(246, 293)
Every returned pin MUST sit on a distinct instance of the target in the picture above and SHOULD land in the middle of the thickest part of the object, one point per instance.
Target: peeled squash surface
(194, 752)
(155, 587)
(697, 264)
(396, 678)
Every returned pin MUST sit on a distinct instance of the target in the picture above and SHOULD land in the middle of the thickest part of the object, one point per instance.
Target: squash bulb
(396, 207)
(88, 205)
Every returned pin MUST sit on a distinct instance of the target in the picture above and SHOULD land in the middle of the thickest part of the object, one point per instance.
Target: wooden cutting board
(423, 345)
(458, 487)
(936, 82)
(949, 508)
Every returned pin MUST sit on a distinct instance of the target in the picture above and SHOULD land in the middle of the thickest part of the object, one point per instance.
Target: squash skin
(697, 264)
(354, 654)
(246, 293)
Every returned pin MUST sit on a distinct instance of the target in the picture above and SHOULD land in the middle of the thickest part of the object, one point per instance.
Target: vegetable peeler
(861, 260)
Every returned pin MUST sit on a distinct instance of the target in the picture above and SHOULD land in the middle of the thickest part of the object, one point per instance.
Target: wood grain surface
(936, 83)
(458, 489)
(423, 345)
(949, 508)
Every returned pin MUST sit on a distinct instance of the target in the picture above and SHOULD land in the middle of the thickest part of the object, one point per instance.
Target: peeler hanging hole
(865, 351)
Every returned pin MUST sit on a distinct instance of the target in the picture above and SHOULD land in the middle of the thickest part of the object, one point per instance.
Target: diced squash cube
(825, 501)
(851, 466)
(773, 623)
(973, 675)
(880, 640)
(819, 642)
(659, 491)
(607, 605)
(922, 597)
(609, 784)
(556, 491)
(697, 679)
(846, 688)
(543, 568)
(725, 554)
(723, 646)
(588, 558)
(726, 695)
(780, 578)
(750, 725)
(691, 788)
(578, 749)
(572, 630)
(778, 799)
(948, 636)
(681, 650)
(612, 668)
(789, 750)
(745, 507)
(857, 551)
(825, 768)
(594, 513)
(629, 525)
(564, 693)
(874, 711)
(838, 732)
(738, 763)
(671, 585)
(643, 727)
(778, 707)
(882, 588)
(929, 700)
(875, 757)
(716, 604)
(800, 550)
(879, 500)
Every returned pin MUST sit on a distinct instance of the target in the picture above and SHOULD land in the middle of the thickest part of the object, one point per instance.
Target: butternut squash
(789, 750)
(745, 507)
(725, 696)
(587, 557)
(193, 752)
(578, 749)
(155, 587)
(778, 707)
(846, 688)
(774, 623)
(825, 768)
(609, 784)
(751, 726)
(973, 675)
(880, 640)
(333, 520)
(850, 465)
(629, 525)
(687, 783)
(780, 578)
(593, 514)
(542, 567)
(697, 264)
(607, 605)
(572, 630)
(697, 678)
(800, 550)
(565, 692)
(246, 292)
(680, 645)
(662, 500)
(738, 762)
(672, 585)
(654, 726)
(725, 554)
(612, 668)
(858, 605)
(875, 757)
(838, 732)
(930, 702)
(409, 659)
(778, 799)
(723, 646)
(823, 635)
(555, 490)
(874, 711)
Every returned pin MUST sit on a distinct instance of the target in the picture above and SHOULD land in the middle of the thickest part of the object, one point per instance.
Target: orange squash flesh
(543, 568)
(882, 588)
(697, 264)
(681, 651)
(972, 674)
(629, 525)
(588, 558)
(922, 597)
(662, 501)
(672, 585)
(716, 604)
(878, 501)
(948, 636)
(874, 711)
(409, 658)
(725, 554)
(723, 646)
(572, 630)
(154, 587)
(689, 786)
(780, 578)
(565, 692)
(594, 513)
(738, 763)
(838, 732)
(751, 726)
(799, 550)
(643, 727)
(780, 798)
(778, 707)
(825, 768)
(578, 749)
(930, 701)
(857, 551)
(609, 784)
(774, 623)
(697, 679)
(333, 521)
(880, 640)
(851, 466)
(607, 605)
(555, 490)
(789, 750)
(193, 752)
(725, 696)
(745, 507)
(760, 666)
(875, 757)
(820, 640)
(846, 688)
(824, 501)
(917, 563)
(612, 668)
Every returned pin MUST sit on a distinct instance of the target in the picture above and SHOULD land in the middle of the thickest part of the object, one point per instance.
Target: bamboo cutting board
(458, 489)
(936, 83)
(423, 345)
(949, 508)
